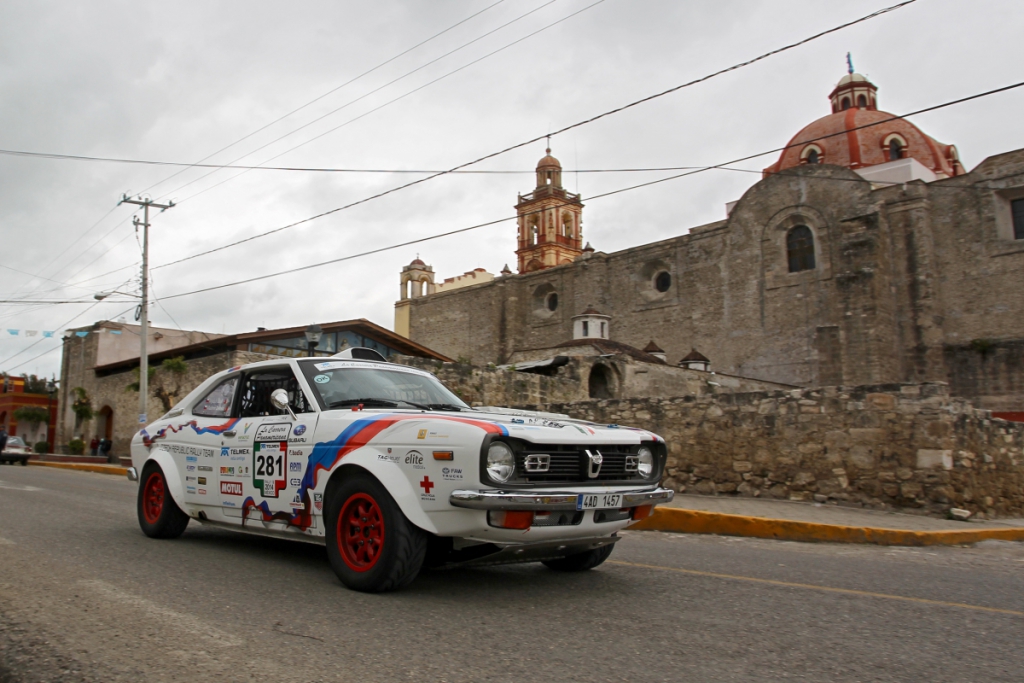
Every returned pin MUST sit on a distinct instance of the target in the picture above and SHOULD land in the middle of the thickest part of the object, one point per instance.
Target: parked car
(390, 470)
(15, 451)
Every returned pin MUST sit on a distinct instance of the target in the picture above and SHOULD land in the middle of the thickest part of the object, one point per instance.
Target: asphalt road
(84, 596)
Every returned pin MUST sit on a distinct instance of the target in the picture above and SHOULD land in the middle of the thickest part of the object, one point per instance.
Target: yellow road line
(827, 589)
(685, 521)
(82, 467)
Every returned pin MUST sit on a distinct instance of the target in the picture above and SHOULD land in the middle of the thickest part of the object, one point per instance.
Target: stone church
(866, 254)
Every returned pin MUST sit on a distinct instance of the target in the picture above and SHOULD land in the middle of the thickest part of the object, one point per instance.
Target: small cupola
(590, 324)
(549, 171)
(655, 351)
(695, 360)
(853, 90)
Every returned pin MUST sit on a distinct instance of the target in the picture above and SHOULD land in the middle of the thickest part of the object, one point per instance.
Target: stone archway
(601, 383)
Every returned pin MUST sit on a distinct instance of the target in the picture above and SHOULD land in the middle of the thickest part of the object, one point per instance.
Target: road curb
(700, 522)
(82, 467)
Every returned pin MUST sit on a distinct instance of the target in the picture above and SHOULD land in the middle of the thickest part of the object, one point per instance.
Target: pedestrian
(94, 445)
(3, 439)
(105, 445)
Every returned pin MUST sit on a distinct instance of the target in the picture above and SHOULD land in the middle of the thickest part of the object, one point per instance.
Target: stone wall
(887, 446)
(489, 386)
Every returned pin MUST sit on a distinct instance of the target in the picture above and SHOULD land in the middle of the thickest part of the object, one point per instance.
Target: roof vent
(361, 353)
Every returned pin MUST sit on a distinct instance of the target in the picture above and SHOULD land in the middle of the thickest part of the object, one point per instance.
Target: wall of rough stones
(489, 386)
(910, 446)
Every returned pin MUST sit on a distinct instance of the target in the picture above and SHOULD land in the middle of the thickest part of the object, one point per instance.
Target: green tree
(34, 415)
(165, 380)
(81, 406)
(34, 385)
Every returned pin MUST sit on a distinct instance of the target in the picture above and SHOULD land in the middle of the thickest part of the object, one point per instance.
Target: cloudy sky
(177, 82)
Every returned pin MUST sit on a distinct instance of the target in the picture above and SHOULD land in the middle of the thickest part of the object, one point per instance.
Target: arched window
(846, 103)
(862, 102)
(533, 235)
(895, 150)
(800, 249)
(812, 156)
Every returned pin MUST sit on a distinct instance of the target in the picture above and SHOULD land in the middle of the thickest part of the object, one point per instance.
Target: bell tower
(550, 221)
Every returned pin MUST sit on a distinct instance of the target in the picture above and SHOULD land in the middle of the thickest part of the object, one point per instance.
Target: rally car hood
(551, 428)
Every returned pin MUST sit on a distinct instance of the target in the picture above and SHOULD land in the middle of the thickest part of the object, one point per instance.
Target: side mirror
(279, 399)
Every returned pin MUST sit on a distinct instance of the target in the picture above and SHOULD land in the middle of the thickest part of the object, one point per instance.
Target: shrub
(41, 447)
(76, 446)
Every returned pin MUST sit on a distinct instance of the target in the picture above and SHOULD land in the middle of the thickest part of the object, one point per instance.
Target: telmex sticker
(273, 432)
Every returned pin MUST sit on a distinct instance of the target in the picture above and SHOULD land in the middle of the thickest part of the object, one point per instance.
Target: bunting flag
(82, 333)
(46, 333)
(114, 331)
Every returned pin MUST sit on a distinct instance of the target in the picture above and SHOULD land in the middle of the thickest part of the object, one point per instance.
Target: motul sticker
(231, 488)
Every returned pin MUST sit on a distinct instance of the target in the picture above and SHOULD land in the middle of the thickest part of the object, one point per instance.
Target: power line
(307, 104)
(392, 101)
(589, 199)
(542, 137)
(333, 90)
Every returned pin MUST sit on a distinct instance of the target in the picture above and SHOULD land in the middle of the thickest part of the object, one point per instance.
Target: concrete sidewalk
(785, 520)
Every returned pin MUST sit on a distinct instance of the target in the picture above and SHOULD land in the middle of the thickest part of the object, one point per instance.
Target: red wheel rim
(153, 497)
(360, 532)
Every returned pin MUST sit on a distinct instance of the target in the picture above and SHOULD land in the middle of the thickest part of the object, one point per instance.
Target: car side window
(259, 384)
(217, 403)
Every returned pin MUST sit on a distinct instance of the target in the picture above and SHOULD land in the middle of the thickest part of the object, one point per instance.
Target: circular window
(662, 281)
(552, 301)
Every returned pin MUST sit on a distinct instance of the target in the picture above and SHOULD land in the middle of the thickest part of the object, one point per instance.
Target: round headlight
(501, 463)
(645, 465)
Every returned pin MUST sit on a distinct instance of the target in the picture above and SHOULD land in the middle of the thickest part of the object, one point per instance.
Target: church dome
(417, 262)
(856, 134)
(549, 162)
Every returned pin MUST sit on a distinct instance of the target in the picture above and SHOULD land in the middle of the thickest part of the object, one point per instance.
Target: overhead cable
(542, 137)
(589, 198)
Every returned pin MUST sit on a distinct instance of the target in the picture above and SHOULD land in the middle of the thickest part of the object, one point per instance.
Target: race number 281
(269, 465)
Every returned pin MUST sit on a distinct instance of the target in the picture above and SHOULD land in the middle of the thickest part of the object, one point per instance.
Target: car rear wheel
(581, 562)
(371, 545)
(159, 515)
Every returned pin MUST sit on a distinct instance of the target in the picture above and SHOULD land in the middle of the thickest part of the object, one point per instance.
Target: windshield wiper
(385, 402)
(446, 406)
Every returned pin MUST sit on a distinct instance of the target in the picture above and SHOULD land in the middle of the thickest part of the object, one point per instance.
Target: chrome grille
(568, 464)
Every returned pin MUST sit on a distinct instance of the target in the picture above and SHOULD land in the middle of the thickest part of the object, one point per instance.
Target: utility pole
(144, 308)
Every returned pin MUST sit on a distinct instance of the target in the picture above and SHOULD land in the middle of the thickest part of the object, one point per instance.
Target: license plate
(598, 501)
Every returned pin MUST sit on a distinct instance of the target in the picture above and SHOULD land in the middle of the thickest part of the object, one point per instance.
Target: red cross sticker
(427, 485)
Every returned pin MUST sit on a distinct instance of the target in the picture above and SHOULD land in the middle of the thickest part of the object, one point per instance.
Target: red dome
(842, 140)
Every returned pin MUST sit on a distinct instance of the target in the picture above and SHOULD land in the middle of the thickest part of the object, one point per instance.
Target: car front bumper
(550, 500)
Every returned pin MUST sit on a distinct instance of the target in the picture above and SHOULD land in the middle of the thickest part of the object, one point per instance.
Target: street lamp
(313, 333)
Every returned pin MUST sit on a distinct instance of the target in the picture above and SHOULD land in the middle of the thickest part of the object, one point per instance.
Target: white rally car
(390, 470)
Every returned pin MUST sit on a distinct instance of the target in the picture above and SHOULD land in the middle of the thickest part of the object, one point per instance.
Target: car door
(272, 449)
(197, 444)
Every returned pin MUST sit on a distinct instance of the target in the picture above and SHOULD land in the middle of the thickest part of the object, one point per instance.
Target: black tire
(24, 463)
(379, 549)
(581, 562)
(159, 515)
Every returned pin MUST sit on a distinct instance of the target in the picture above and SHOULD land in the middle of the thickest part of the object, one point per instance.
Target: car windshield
(349, 383)
(15, 441)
